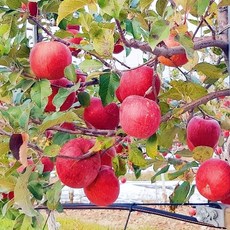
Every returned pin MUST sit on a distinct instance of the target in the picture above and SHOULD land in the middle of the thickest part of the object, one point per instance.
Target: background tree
(79, 82)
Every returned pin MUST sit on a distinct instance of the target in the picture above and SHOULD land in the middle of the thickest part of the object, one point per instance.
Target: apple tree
(91, 89)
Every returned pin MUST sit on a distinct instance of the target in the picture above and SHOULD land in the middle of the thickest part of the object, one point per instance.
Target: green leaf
(160, 30)
(187, 166)
(202, 6)
(39, 93)
(68, 7)
(202, 153)
(57, 118)
(22, 194)
(145, 4)
(192, 190)
(162, 170)
(111, 7)
(19, 222)
(84, 99)
(52, 150)
(108, 83)
(187, 43)
(119, 165)
(61, 138)
(160, 6)
(70, 73)
(180, 193)
(53, 195)
(151, 147)
(13, 4)
(7, 184)
(89, 65)
(63, 94)
(136, 156)
(36, 189)
(4, 148)
(211, 71)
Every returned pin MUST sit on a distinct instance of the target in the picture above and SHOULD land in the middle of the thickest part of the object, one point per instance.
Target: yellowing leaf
(68, 7)
(202, 153)
(7, 184)
(23, 150)
(22, 194)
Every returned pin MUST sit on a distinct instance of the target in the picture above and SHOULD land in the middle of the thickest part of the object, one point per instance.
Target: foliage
(142, 26)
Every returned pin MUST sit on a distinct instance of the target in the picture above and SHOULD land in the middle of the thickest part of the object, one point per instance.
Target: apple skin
(123, 180)
(72, 27)
(139, 116)
(101, 117)
(192, 212)
(55, 85)
(105, 189)
(176, 59)
(77, 173)
(137, 82)
(68, 125)
(213, 179)
(48, 164)
(226, 200)
(226, 133)
(107, 156)
(32, 7)
(203, 132)
(8, 196)
(49, 59)
(77, 41)
(118, 47)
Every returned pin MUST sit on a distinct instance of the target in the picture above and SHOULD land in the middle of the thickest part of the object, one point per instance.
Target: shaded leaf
(180, 193)
(151, 146)
(108, 83)
(160, 6)
(90, 65)
(70, 72)
(84, 99)
(136, 156)
(162, 170)
(119, 165)
(36, 189)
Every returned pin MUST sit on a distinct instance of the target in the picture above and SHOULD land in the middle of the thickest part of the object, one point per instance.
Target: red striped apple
(48, 164)
(101, 117)
(107, 156)
(139, 82)
(213, 179)
(203, 132)
(105, 189)
(139, 116)
(49, 59)
(73, 172)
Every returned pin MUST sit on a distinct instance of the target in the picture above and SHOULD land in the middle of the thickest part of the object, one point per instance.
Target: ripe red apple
(68, 125)
(48, 164)
(213, 179)
(55, 85)
(80, 76)
(203, 132)
(49, 59)
(226, 200)
(218, 150)
(176, 59)
(104, 190)
(101, 117)
(107, 156)
(138, 82)
(123, 180)
(178, 156)
(77, 173)
(226, 133)
(118, 47)
(139, 116)
(32, 7)
(192, 212)
(72, 27)
(77, 41)
(8, 196)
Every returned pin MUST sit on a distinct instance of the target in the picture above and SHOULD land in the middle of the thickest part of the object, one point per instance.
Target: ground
(116, 219)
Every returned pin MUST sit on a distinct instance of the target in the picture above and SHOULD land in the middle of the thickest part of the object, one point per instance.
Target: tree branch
(196, 103)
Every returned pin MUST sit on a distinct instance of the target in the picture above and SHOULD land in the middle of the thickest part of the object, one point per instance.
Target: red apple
(104, 190)
(101, 117)
(218, 150)
(8, 196)
(77, 173)
(123, 180)
(48, 164)
(164, 154)
(178, 156)
(107, 156)
(226, 200)
(226, 133)
(49, 59)
(192, 212)
(203, 132)
(68, 125)
(138, 82)
(80, 76)
(33, 8)
(176, 59)
(139, 116)
(55, 85)
(72, 27)
(77, 41)
(118, 47)
(213, 179)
